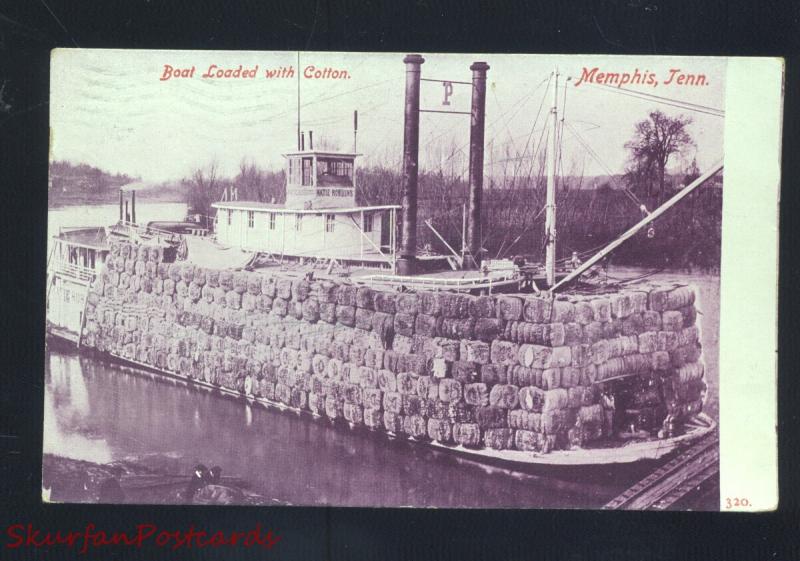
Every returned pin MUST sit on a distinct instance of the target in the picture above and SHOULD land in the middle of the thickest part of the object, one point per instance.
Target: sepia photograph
(384, 280)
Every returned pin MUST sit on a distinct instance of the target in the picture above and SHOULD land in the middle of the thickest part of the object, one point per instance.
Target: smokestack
(133, 207)
(406, 264)
(121, 216)
(310, 140)
(302, 141)
(127, 215)
(472, 256)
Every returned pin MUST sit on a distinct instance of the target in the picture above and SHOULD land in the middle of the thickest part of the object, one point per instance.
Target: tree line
(513, 203)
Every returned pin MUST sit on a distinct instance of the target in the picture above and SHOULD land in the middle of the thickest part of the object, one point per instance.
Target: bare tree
(204, 188)
(257, 184)
(654, 141)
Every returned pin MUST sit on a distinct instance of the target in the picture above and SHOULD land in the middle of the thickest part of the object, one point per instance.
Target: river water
(103, 412)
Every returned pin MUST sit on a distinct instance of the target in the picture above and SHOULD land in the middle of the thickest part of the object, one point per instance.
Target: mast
(298, 100)
(550, 208)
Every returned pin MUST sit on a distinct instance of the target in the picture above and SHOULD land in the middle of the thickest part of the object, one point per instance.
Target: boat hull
(630, 453)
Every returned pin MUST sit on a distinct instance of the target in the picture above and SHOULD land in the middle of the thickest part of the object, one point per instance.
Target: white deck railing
(72, 270)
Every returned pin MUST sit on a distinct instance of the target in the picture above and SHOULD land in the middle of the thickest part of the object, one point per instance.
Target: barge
(324, 307)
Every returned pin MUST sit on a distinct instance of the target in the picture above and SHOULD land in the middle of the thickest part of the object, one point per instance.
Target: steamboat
(324, 307)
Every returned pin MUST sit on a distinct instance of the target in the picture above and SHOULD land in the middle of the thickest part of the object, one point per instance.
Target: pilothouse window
(307, 169)
(335, 172)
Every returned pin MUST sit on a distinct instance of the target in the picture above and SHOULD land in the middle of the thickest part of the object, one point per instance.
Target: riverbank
(144, 480)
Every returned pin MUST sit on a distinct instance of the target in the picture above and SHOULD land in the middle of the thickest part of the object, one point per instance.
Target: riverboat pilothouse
(320, 219)
(416, 344)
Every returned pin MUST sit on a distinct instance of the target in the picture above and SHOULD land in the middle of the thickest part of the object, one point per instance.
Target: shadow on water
(101, 412)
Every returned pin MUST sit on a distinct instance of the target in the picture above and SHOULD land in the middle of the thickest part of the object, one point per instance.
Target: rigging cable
(663, 100)
(596, 157)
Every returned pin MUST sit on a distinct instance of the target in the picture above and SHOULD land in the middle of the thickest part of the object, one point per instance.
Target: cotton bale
(416, 364)
(430, 303)
(537, 309)
(465, 371)
(283, 288)
(456, 305)
(671, 320)
(333, 408)
(455, 328)
(346, 315)
(426, 325)
(428, 387)
(439, 430)
(477, 352)
(570, 376)
(449, 390)
(491, 417)
(551, 378)
(651, 320)
(384, 302)
(393, 422)
(524, 420)
(557, 335)
(406, 383)
(504, 396)
(528, 441)
(648, 342)
(493, 373)
(373, 418)
(467, 434)
(415, 426)
(459, 411)
(633, 324)
(688, 336)
(612, 368)
(476, 394)
(563, 311)
(301, 288)
(519, 375)
(679, 297)
(404, 323)
(387, 380)
(658, 298)
(509, 308)
(373, 398)
(327, 312)
(499, 439)
(353, 413)
(268, 285)
(484, 307)
(488, 329)
(584, 313)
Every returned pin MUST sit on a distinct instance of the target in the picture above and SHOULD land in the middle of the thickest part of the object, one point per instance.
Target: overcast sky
(110, 109)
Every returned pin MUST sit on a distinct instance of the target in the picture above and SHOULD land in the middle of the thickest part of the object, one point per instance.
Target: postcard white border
(749, 285)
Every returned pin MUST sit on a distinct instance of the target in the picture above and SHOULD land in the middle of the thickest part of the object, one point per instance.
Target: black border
(30, 29)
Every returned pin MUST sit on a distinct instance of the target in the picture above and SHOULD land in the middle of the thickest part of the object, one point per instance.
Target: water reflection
(103, 412)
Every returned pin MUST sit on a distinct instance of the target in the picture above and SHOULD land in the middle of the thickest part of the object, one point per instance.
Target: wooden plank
(666, 483)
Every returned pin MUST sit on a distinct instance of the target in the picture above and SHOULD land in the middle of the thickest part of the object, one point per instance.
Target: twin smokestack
(301, 145)
(406, 264)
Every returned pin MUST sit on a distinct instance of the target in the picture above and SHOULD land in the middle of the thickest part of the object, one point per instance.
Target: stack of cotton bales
(523, 372)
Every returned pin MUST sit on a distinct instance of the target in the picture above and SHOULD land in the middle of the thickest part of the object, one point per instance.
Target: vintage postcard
(399, 279)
